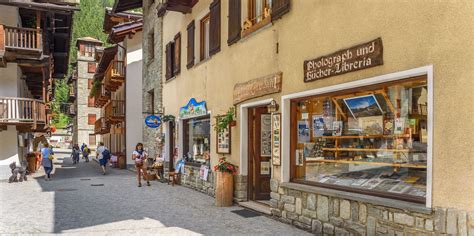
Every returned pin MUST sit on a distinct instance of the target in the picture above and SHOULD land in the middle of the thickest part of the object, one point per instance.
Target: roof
(88, 39)
(119, 32)
(50, 7)
(123, 5)
(112, 19)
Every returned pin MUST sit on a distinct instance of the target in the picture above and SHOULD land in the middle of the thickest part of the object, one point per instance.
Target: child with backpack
(85, 153)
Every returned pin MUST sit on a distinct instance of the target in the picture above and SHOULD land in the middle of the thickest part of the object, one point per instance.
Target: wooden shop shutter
(177, 54)
(234, 21)
(215, 27)
(169, 61)
(190, 48)
(280, 8)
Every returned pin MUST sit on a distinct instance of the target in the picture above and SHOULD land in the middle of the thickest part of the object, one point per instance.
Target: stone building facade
(86, 113)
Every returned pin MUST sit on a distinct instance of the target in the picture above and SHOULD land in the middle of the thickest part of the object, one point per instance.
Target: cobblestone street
(80, 200)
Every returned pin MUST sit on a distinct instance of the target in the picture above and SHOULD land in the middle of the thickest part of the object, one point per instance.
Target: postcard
(337, 128)
(363, 106)
(400, 188)
(372, 183)
(303, 131)
(371, 125)
(318, 125)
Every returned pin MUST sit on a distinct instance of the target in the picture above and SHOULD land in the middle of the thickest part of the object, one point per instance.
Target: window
(92, 140)
(257, 10)
(151, 101)
(90, 82)
(177, 54)
(151, 46)
(196, 135)
(190, 48)
(89, 50)
(371, 140)
(91, 119)
(91, 66)
(90, 101)
(204, 38)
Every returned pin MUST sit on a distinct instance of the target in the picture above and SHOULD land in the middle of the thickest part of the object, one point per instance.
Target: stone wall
(331, 215)
(191, 179)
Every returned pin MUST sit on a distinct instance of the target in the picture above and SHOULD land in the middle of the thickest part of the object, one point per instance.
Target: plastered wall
(414, 34)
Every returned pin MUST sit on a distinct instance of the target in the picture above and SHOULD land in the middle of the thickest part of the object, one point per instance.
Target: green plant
(222, 122)
(95, 88)
(167, 118)
(225, 167)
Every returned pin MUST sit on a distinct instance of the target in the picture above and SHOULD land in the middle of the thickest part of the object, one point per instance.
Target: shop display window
(196, 137)
(371, 140)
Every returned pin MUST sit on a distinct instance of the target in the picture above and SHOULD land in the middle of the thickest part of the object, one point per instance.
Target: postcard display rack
(371, 141)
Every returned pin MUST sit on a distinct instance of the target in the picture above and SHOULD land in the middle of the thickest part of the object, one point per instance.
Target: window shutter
(280, 8)
(215, 27)
(169, 60)
(91, 67)
(81, 49)
(234, 21)
(177, 54)
(190, 48)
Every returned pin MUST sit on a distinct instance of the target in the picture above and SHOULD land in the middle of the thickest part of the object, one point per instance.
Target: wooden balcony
(102, 96)
(20, 43)
(72, 93)
(115, 75)
(115, 111)
(101, 126)
(22, 111)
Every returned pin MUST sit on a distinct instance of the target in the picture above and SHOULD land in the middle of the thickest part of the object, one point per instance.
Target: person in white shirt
(102, 161)
(139, 156)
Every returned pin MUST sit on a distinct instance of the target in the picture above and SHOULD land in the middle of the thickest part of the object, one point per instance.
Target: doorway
(259, 153)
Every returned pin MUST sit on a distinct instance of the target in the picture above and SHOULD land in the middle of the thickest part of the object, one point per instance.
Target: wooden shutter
(234, 21)
(91, 119)
(190, 48)
(81, 49)
(177, 54)
(91, 67)
(280, 8)
(169, 61)
(90, 101)
(215, 27)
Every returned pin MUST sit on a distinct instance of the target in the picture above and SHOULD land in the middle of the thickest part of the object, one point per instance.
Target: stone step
(256, 206)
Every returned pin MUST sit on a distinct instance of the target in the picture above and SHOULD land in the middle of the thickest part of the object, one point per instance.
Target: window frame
(151, 46)
(202, 34)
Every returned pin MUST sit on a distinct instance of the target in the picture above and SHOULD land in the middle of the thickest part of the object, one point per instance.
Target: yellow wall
(414, 34)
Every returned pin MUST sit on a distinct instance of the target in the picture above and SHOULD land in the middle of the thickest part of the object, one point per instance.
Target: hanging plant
(167, 118)
(95, 88)
(223, 122)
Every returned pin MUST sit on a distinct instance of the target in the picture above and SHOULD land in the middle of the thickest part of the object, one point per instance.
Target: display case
(370, 140)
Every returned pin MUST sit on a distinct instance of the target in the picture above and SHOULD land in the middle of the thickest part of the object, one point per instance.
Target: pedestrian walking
(103, 154)
(85, 153)
(139, 156)
(47, 161)
(75, 154)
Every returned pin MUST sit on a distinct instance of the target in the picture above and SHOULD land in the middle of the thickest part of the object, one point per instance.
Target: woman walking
(139, 156)
(47, 161)
(75, 154)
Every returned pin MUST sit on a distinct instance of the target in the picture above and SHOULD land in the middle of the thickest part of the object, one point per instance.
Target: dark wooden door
(171, 151)
(259, 154)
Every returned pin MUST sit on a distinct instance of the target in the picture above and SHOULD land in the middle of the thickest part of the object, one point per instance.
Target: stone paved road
(70, 205)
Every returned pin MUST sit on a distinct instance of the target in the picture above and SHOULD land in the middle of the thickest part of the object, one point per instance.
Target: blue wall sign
(192, 109)
(153, 121)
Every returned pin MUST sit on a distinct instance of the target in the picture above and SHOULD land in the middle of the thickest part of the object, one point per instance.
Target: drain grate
(85, 179)
(66, 189)
(246, 213)
(97, 185)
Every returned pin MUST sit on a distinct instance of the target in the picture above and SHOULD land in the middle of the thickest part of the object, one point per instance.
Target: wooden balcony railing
(22, 111)
(102, 96)
(101, 126)
(20, 38)
(118, 69)
(115, 76)
(115, 111)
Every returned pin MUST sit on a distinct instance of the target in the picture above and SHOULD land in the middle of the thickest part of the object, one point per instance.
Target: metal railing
(22, 110)
(21, 38)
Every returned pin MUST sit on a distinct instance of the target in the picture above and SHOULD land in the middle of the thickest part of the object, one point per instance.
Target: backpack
(106, 154)
(86, 150)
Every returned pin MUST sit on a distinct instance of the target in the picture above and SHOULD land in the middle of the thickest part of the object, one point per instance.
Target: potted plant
(224, 121)
(225, 182)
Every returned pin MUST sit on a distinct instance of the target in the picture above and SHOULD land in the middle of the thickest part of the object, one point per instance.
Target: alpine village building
(350, 117)
(34, 49)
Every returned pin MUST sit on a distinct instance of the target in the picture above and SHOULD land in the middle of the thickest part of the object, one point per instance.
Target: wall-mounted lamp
(273, 106)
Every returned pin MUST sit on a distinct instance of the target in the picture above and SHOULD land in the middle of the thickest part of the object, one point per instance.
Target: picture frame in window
(223, 141)
(276, 139)
(266, 135)
(363, 106)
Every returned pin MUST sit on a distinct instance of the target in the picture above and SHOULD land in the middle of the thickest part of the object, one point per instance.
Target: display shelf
(365, 136)
(399, 165)
(365, 150)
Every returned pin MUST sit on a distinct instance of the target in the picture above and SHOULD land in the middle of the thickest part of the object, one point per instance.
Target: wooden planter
(224, 189)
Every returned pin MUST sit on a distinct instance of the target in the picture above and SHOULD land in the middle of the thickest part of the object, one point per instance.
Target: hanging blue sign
(153, 121)
(192, 109)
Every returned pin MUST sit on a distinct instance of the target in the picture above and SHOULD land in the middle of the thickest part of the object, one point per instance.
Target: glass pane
(206, 39)
(196, 140)
(372, 139)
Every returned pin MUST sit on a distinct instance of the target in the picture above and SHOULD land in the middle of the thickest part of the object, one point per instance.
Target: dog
(22, 170)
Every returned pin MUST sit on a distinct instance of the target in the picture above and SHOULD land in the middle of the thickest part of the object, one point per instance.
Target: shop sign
(193, 109)
(153, 121)
(257, 87)
(356, 58)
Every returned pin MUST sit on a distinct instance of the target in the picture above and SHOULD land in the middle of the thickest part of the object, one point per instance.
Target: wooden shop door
(259, 131)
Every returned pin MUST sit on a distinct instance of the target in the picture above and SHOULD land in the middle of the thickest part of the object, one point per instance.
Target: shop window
(371, 140)
(204, 38)
(92, 139)
(196, 135)
(91, 119)
(91, 66)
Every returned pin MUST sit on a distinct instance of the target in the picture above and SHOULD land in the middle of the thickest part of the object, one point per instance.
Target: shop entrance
(259, 153)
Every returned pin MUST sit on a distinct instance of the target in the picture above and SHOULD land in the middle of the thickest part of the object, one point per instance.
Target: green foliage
(95, 88)
(223, 122)
(61, 96)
